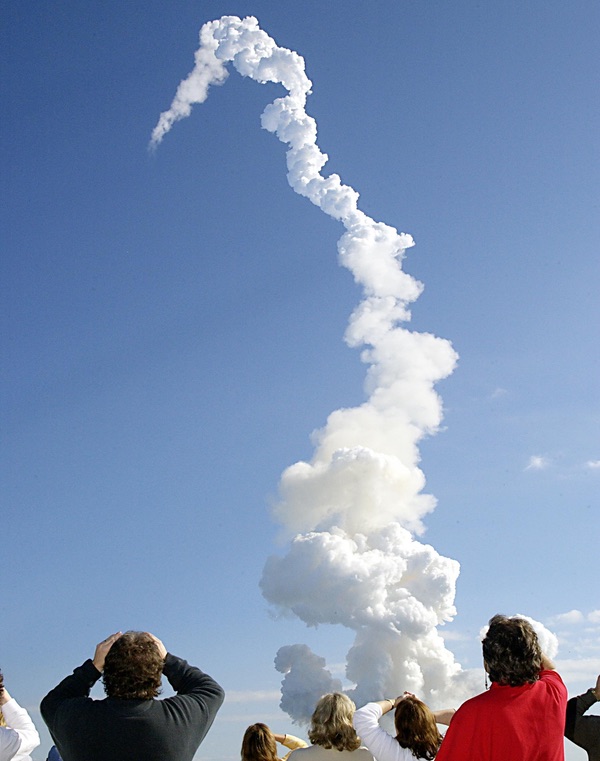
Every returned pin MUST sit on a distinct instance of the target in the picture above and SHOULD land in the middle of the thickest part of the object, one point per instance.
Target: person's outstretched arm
(381, 744)
(444, 716)
(576, 707)
(547, 664)
(291, 742)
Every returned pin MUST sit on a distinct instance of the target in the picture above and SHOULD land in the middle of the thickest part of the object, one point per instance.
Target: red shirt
(510, 724)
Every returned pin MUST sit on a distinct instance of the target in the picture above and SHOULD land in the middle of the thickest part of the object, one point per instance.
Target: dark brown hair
(259, 744)
(512, 652)
(331, 723)
(133, 668)
(416, 728)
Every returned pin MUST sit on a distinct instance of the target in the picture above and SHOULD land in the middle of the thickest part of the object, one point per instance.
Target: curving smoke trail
(357, 506)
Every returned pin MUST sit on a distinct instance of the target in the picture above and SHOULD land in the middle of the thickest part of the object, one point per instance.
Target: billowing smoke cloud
(357, 506)
(306, 679)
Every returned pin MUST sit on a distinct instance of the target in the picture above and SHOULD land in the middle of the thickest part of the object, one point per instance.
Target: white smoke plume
(306, 680)
(356, 507)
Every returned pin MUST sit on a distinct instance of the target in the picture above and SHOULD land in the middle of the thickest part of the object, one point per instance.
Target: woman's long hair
(416, 728)
(331, 723)
(259, 744)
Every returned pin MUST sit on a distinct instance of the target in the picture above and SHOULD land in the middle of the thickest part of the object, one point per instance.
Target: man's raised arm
(79, 683)
(198, 695)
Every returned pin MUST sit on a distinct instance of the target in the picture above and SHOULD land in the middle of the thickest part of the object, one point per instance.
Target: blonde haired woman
(331, 732)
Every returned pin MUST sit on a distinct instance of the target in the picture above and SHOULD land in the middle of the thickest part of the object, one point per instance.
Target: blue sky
(172, 322)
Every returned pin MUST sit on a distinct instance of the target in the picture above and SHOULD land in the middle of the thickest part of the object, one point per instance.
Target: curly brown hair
(511, 651)
(259, 744)
(133, 668)
(416, 728)
(331, 723)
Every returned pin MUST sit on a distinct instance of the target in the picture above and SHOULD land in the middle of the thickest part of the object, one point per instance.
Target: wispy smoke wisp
(357, 505)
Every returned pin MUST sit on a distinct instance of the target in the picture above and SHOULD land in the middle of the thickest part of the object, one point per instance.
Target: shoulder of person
(551, 677)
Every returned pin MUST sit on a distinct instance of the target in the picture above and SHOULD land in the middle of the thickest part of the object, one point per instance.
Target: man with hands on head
(18, 735)
(129, 724)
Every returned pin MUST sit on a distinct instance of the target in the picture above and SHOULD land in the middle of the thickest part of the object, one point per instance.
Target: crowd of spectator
(522, 716)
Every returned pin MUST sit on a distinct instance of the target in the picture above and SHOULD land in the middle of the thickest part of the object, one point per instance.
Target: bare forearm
(444, 716)
(291, 742)
(547, 663)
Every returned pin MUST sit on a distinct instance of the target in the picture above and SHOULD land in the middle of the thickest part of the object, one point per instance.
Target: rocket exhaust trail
(355, 509)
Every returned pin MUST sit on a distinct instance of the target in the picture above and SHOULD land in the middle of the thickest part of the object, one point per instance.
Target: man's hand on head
(102, 649)
(161, 648)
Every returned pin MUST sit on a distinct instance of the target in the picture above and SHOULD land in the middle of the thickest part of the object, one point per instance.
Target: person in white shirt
(417, 735)
(18, 735)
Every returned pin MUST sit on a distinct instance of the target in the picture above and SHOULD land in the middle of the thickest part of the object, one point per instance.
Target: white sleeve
(9, 743)
(382, 745)
(18, 720)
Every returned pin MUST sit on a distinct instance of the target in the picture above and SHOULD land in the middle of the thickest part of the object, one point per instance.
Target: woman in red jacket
(522, 716)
